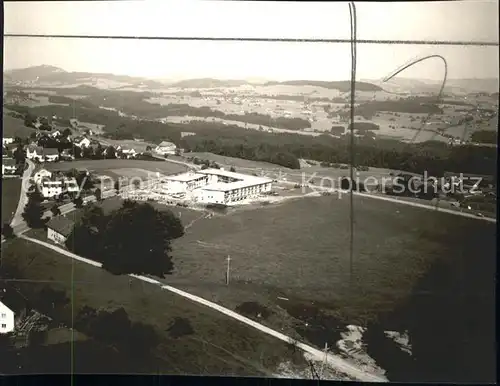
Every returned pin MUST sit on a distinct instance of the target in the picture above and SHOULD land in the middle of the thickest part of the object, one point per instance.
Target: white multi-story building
(51, 189)
(6, 319)
(217, 186)
(185, 182)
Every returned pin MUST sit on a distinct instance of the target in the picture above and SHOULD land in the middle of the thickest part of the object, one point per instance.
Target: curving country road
(335, 361)
(23, 197)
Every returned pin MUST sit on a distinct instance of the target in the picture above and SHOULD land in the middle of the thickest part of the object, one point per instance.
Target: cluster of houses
(9, 165)
(54, 185)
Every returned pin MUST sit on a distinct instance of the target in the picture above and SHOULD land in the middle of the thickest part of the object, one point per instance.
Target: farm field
(236, 162)
(300, 250)
(113, 166)
(14, 127)
(216, 345)
(11, 188)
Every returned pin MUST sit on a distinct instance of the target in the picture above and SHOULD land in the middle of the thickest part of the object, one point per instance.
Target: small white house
(129, 153)
(41, 175)
(55, 134)
(6, 319)
(7, 140)
(70, 185)
(82, 142)
(59, 228)
(34, 152)
(8, 166)
(166, 148)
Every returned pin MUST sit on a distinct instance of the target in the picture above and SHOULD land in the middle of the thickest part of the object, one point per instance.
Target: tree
(7, 231)
(78, 201)
(98, 194)
(110, 152)
(55, 210)
(124, 252)
(33, 213)
(19, 154)
(67, 132)
(232, 169)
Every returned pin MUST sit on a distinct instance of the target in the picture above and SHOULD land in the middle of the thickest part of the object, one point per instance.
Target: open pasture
(300, 249)
(204, 349)
(114, 165)
(14, 127)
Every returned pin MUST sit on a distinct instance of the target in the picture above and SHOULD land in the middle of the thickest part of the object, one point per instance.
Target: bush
(8, 231)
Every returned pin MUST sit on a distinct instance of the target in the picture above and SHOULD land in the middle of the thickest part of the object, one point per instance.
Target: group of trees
(133, 239)
(285, 149)
(115, 328)
(33, 211)
(484, 136)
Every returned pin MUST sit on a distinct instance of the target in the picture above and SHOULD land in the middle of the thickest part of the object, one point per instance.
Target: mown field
(216, 345)
(112, 166)
(300, 250)
(11, 187)
(14, 127)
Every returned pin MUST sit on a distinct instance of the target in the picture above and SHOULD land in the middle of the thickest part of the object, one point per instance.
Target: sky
(472, 20)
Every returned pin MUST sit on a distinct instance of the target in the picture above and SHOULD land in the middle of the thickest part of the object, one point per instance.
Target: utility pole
(227, 273)
(324, 360)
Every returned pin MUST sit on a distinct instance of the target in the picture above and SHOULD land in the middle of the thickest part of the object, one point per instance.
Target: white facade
(6, 319)
(129, 153)
(85, 142)
(55, 236)
(7, 141)
(71, 185)
(217, 186)
(166, 148)
(184, 182)
(51, 188)
(41, 175)
(34, 154)
(51, 157)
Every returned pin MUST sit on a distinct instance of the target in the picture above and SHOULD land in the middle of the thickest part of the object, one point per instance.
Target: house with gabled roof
(9, 166)
(59, 228)
(166, 147)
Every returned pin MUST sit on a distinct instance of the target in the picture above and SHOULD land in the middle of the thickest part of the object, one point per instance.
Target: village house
(9, 166)
(41, 175)
(34, 152)
(6, 319)
(55, 134)
(7, 140)
(66, 155)
(128, 153)
(51, 188)
(81, 142)
(50, 154)
(59, 228)
(57, 186)
(166, 147)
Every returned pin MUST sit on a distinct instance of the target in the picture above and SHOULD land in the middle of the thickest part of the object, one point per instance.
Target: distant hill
(50, 75)
(208, 83)
(342, 86)
(409, 85)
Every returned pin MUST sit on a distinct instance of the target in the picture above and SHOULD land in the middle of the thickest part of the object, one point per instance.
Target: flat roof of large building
(252, 180)
(185, 177)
